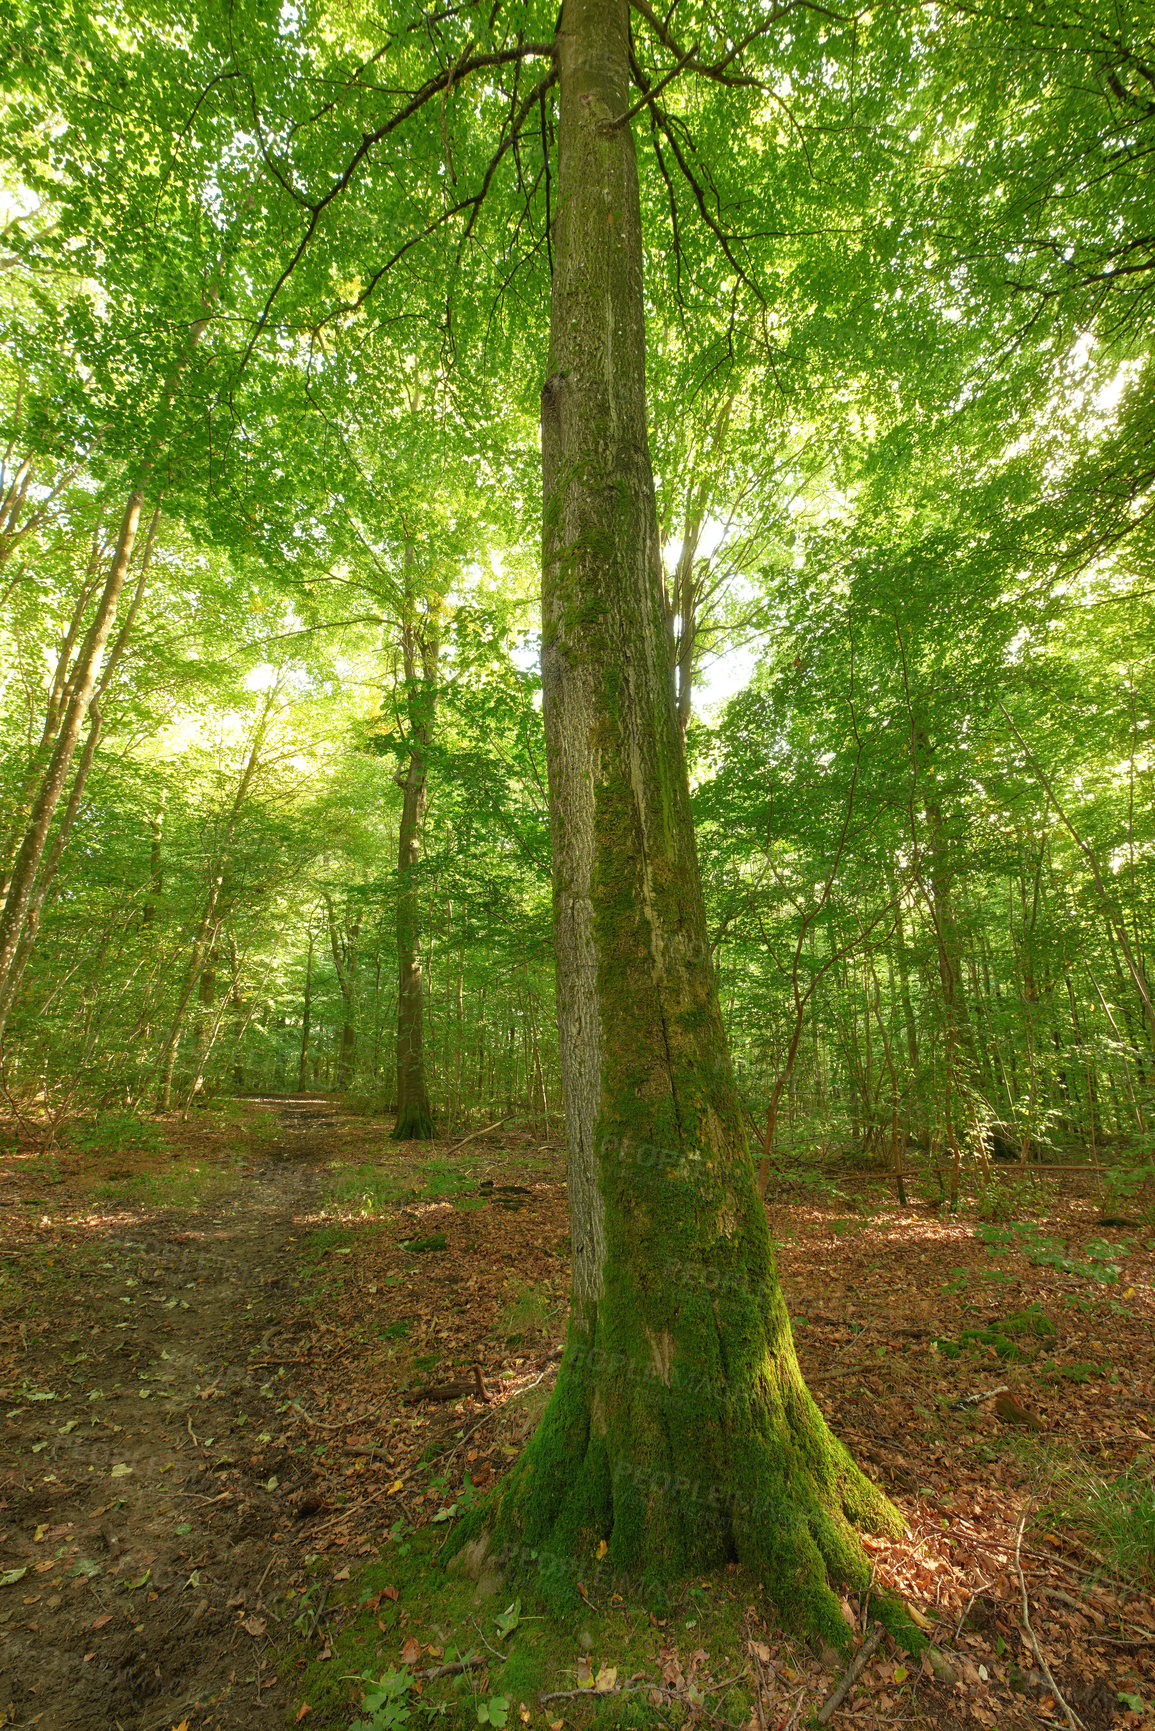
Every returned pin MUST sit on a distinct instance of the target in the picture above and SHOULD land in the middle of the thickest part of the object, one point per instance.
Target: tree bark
(31, 851)
(420, 650)
(306, 1017)
(680, 1431)
(345, 959)
(155, 864)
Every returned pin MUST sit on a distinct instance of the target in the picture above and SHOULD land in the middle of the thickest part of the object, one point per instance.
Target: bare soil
(148, 1491)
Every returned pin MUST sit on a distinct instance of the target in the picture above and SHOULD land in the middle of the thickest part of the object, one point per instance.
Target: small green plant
(1118, 1514)
(526, 1312)
(45, 1169)
(1131, 1184)
(368, 1188)
(1034, 1321)
(508, 1619)
(1121, 1515)
(383, 1702)
(444, 1180)
(182, 1186)
(1080, 1373)
(495, 1711)
(1101, 1262)
(1003, 1198)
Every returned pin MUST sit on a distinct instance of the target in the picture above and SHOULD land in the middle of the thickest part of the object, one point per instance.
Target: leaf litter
(391, 1361)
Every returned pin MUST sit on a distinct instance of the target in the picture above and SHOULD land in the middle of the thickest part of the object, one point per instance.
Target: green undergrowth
(528, 1650)
(1117, 1515)
(372, 1187)
(185, 1184)
(120, 1133)
(1014, 1339)
(1099, 1263)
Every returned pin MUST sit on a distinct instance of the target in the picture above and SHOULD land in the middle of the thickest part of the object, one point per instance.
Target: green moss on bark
(681, 1434)
(414, 1123)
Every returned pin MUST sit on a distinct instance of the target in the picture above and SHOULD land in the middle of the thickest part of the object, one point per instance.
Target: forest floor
(222, 1490)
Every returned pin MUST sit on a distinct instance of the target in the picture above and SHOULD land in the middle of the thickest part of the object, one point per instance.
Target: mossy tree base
(414, 1123)
(675, 1444)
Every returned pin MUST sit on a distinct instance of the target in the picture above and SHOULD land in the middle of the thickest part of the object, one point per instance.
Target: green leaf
(508, 1619)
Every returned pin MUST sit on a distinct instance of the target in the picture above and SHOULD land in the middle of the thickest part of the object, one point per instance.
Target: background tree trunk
(306, 1014)
(420, 649)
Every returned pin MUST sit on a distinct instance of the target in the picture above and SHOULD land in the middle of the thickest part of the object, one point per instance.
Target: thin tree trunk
(31, 851)
(1115, 920)
(155, 865)
(305, 1015)
(49, 869)
(414, 1113)
(345, 960)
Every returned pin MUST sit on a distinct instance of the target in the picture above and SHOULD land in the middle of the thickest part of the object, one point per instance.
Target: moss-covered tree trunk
(420, 652)
(680, 1432)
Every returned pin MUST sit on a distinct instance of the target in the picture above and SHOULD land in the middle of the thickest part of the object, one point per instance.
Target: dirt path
(151, 1498)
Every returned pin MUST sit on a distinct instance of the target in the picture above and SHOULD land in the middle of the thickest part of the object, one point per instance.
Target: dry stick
(1085, 1605)
(1072, 1718)
(453, 1669)
(474, 1134)
(853, 1672)
(344, 1423)
(795, 1711)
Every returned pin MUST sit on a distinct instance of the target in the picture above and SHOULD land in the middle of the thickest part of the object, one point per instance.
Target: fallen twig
(852, 1673)
(452, 1670)
(1072, 1718)
(977, 1399)
(1085, 1606)
(475, 1133)
(450, 1390)
(342, 1424)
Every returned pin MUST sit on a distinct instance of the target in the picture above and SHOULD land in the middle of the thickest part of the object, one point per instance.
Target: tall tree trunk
(155, 864)
(302, 1068)
(680, 1431)
(420, 649)
(345, 960)
(31, 850)
(50, 866)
